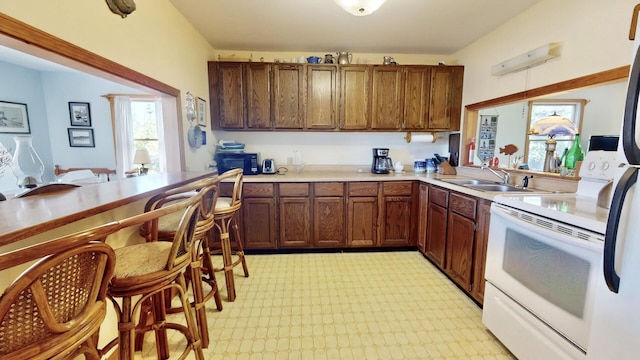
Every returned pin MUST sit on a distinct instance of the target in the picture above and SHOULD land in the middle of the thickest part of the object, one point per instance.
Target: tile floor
(380, 305)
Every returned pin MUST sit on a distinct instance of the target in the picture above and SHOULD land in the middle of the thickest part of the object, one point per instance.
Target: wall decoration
(487, 141)
(80, 114)
(81, 137)
(14, 118)
(202, 114)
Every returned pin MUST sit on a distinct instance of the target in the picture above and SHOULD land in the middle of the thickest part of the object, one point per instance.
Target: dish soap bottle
(574, 154)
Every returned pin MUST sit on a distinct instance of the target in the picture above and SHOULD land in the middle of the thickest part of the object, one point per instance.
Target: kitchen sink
(497, 187)
(469, 182)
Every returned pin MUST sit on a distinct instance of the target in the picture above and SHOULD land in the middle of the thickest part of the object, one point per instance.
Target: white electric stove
(587, 208)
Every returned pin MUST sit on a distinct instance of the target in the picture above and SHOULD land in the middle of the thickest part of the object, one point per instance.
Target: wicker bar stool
(54, 309)
(166, 229)
(150, 269)
(225, 218)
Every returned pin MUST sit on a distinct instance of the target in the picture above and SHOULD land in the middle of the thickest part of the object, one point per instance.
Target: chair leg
(228, 264)
(198, 301)
(207, 266)
(193, 334)
(240, 251)
(126, 328)
(160, 318)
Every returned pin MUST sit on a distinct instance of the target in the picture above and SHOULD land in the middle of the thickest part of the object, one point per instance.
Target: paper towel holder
(435, 136)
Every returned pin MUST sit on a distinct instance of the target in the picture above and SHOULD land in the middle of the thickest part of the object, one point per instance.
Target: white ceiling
(439, 27)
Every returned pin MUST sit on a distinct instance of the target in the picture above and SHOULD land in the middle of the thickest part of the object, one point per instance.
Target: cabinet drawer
(397, 188)
(294, 189)
(363, 189)
(439, 196)
(463, 205)
(328, 189)
(258, 190)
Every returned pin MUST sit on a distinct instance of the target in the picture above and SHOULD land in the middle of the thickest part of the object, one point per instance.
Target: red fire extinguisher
(471, 150)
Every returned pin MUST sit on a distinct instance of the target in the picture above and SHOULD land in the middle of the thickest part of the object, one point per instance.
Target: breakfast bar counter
(30, 216)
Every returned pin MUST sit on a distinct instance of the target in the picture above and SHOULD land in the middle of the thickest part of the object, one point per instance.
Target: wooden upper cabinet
(288, 86)
(417, 94)
(355, 95)
(226, 87)
(446, 98)
(321, 97)
(387, 98)
(258, 95)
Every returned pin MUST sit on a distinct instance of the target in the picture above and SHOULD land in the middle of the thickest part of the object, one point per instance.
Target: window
(538, 110)
(145, 129)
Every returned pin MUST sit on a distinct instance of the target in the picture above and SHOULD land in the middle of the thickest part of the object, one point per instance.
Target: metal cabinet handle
(627, 180)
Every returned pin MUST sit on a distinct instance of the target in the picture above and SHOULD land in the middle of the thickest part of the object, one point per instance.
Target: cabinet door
(258, 96)
(417, 93)
(259, 223)
(396, 220)
(355, 93)
(288, 90)
(387, 98)
(436, 234)
(362, 221)
(446, 98)
(423, 203)
(321, 97)
(295, 222)
(328, 222)
(230, 95)
(480, 250)
(459, 256)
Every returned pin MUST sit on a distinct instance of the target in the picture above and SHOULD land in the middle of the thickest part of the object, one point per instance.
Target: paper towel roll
(422, 138)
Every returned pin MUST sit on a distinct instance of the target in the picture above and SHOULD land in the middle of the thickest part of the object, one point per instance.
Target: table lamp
(142, 157)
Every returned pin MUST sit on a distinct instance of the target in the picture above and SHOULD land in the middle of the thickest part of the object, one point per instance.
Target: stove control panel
(599, 165)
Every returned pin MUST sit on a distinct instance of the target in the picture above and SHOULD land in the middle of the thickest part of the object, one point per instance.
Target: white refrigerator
(615, 331)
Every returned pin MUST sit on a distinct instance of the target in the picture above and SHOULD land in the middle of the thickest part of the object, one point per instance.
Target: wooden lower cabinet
(395, 217)
(480, 249)
(329, 215)
(460, 239)
(294, 209)
(436, 241)
(362, 214)
(259, 226)
(423, 203)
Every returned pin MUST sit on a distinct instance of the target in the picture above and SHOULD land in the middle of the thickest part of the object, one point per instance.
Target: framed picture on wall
(80, 114)
(81, 137)
(14, 118)
(202, 114)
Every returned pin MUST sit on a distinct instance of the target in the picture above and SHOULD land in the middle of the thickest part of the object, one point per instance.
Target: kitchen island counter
(30, 216)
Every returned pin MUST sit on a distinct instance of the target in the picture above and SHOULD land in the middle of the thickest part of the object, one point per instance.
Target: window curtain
(162, 149)
(124, 134)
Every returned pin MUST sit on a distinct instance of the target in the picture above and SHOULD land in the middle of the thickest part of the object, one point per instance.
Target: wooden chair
(54, 309)
(225, 215)
(57, 171)
(166, 230)
(147, 270)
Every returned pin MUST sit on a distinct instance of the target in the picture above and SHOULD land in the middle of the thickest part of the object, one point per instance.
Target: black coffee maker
(381, 161)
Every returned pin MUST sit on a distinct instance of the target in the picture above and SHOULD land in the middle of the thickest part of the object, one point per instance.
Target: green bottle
(574, 154)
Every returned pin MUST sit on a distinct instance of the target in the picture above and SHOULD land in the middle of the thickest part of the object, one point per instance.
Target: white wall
(593, 33)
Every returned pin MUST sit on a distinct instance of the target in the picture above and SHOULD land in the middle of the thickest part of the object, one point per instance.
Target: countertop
(358, 174)
(28, 216)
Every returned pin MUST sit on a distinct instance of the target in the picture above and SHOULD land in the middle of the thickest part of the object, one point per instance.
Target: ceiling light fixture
(360, 7)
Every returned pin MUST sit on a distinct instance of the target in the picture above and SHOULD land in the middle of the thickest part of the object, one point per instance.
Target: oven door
(547, 267)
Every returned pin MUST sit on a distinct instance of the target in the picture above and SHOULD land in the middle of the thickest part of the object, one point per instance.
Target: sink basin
(497, 187)
(469, 182)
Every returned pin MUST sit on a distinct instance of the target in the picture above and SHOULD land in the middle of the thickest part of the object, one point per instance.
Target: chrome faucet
(505, 177)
